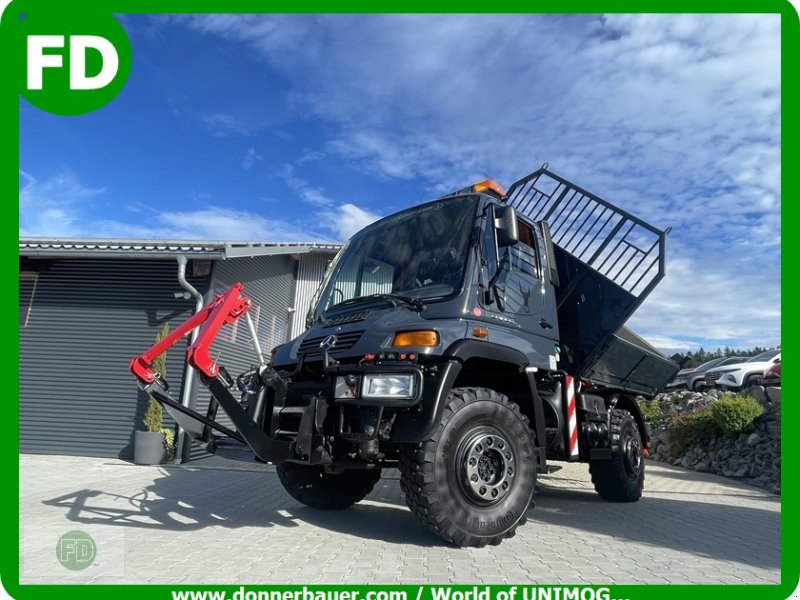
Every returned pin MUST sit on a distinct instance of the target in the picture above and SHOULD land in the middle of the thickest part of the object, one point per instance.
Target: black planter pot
(148, 448)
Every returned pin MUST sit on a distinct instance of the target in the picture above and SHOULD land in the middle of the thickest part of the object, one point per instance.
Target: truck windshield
(413, 256)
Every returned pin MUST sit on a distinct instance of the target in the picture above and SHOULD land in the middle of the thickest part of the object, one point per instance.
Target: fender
(415, 427)
(463, 350)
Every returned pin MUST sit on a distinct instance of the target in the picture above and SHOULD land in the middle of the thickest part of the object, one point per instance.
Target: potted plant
(156, 444)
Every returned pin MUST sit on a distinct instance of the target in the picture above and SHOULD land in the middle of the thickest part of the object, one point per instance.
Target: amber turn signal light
(480, 332)
(415, 338)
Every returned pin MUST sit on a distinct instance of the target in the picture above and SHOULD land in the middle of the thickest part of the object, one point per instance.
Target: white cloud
(53, 207)
(211, 223)
(725, 302)
(225, 125)
(63, 207)
(251, 157)
(309, 155)
(347, 219)
(304, 190)
(342, 220)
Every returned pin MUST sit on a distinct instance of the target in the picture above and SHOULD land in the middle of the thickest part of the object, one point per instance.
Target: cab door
(518, 292)
(522, 292)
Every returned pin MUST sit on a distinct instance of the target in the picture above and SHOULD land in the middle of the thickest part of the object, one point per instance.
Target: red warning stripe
(572, 421)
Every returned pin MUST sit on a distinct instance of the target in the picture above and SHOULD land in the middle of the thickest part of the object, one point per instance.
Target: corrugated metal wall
(86, 320)
(269, 282)
(309, 275)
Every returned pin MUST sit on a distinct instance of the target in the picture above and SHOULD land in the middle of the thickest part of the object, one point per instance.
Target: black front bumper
(300, 421)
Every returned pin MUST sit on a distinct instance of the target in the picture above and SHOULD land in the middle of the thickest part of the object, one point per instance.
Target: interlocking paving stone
(212, 522)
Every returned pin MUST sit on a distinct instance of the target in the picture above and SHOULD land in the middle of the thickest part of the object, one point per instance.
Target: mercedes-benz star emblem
(328, 343)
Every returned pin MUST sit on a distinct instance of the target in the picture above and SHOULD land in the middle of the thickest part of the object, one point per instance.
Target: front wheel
(326, 491)
(621, 478)
(472, 482)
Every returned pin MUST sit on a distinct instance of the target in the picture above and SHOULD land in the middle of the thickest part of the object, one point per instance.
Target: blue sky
(308, 127)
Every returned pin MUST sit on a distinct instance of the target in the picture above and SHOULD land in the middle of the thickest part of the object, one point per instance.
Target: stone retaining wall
(754, 457)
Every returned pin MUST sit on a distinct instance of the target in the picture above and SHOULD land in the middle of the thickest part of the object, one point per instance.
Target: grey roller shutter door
(86, 319)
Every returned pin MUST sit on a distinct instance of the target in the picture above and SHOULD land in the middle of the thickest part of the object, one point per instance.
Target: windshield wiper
(390, 298)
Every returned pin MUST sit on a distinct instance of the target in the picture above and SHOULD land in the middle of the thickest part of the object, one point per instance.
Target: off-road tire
(472, 481)
(621, 478)
(325, 491)
(699, 386)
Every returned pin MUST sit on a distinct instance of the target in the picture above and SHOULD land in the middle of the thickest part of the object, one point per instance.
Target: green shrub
(651, 411)
(691, 429)
(154, 415)
(735, 414)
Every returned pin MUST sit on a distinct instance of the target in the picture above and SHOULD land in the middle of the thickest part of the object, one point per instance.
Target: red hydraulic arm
(225, 309)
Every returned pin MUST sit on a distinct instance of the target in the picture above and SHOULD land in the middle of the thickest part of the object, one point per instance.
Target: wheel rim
(487, 467)
(632, 456)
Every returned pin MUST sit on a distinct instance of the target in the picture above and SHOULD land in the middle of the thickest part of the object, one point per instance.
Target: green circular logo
(76, 550)
(72, 63)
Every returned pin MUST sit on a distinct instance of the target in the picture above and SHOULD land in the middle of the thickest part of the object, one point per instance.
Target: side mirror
(505, 224)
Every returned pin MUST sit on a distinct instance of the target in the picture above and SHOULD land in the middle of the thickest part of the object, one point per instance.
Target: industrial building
(86, 307)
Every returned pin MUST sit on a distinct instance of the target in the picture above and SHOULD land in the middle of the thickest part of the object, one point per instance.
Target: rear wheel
(472, 482)
(326, 491)
(621, 478)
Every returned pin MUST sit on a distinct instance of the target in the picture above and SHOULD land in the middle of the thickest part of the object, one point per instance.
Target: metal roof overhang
(162, 249)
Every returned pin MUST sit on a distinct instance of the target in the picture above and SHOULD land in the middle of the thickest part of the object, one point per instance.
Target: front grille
(713, 376)
(344, 341)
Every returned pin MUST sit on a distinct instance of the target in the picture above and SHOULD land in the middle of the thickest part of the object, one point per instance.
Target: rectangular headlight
(388, 386)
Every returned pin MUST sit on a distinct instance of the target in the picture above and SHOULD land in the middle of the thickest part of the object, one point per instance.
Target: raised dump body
(608, 262)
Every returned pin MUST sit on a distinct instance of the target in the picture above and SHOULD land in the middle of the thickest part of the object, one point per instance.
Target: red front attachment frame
(226, 308)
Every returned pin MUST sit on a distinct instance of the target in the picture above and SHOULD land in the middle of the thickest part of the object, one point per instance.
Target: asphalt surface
(216, 522)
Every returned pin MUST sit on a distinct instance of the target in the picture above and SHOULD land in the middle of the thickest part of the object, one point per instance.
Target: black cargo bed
(630, 363)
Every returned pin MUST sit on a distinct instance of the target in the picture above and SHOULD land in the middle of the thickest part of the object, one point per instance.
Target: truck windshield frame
(420, 254)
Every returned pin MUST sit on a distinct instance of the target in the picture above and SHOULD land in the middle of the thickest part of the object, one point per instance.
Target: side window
(27, 290)
(516, 291)
(523, 254)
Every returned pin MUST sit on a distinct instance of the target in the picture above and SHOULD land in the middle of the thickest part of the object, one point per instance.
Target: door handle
(544, 324)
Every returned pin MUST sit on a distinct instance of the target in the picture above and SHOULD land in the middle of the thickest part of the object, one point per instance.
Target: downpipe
(188, 374)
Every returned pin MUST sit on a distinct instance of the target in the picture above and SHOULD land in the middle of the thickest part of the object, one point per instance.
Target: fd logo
(78, 46)
(76, 550)
(72, 63)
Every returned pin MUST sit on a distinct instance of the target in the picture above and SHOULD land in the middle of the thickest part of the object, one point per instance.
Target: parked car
(694, 378)
(772, 376)
(680, 378)
(743, 374)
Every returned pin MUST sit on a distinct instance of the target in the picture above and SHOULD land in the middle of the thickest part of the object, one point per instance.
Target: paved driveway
(207, 523)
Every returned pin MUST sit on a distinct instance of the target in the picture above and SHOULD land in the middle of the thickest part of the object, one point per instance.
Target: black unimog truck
(467, 341)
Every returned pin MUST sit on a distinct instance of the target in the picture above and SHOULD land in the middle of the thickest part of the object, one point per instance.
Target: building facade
(86, 307)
